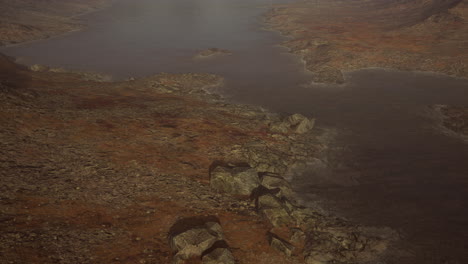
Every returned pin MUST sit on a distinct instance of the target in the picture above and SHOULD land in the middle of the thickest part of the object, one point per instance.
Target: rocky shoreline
(108, 170)
(24, 21)
(336, 36)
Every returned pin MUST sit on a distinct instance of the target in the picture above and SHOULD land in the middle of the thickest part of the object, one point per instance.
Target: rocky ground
(337, 36)
(142, 170)
(26, 20)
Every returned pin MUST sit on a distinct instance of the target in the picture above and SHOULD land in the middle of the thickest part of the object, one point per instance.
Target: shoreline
(72, 20)
(327, 54)
(268, 142)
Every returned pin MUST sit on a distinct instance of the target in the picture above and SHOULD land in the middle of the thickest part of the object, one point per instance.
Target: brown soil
(26, 20)
(97, 172)
(336, 36)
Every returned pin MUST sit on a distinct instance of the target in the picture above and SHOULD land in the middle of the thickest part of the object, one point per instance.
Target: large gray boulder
(195, 241)
(280, 244)
(235, 180)
(275, 181)
(191, 237)
(274, 210)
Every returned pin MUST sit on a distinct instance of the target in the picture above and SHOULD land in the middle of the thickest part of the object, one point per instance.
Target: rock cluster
(320, 239)
(297, 123)
(199, 238)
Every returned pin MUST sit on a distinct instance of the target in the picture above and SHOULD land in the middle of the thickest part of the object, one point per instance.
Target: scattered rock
(273, 209)
(297, 236)
(297, 123)
(234, 179)
(275, 181)
(191, 237)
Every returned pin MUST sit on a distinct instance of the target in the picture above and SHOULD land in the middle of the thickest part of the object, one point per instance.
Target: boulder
(274, 210)
(297, 123)
(300, 124)
(234, 180)
(275, 181)
(219, 256)
(280, 244)
(192, 237)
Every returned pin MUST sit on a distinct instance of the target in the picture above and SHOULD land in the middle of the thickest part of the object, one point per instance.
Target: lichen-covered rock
(194, 241)
(280, 244)
(300, 124)
(275, 181)
(234, 180)
(191, 237)
(274, 210)
(297, 123)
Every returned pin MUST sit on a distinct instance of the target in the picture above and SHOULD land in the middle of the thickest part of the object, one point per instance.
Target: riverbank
(24, 21)
(333, 37)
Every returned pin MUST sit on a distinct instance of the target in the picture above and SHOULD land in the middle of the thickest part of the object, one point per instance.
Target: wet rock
(191, 237)
(280, 244)
(237, 180)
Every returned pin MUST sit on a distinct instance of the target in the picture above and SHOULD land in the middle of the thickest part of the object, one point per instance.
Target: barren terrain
(337, 36)
(26, 20)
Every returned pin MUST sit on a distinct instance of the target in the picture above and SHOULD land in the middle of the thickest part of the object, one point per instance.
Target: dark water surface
(389, 166)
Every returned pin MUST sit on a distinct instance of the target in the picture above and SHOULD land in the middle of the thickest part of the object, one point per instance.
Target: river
(389, 166)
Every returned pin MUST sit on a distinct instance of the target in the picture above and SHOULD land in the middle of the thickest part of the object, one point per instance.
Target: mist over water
(389, 166)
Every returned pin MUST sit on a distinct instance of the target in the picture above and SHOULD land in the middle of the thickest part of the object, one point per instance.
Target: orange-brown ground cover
(336, 36)
(98, 172)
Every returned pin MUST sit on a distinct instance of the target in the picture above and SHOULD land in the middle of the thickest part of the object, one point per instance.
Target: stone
(297, 123)
(219, 256)
(280, 244)
(272, 208)
(319, 258)
(39, 68)
(193, 241)
(300, 124)
(234, 180)
(297, 236)
(274, 181)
